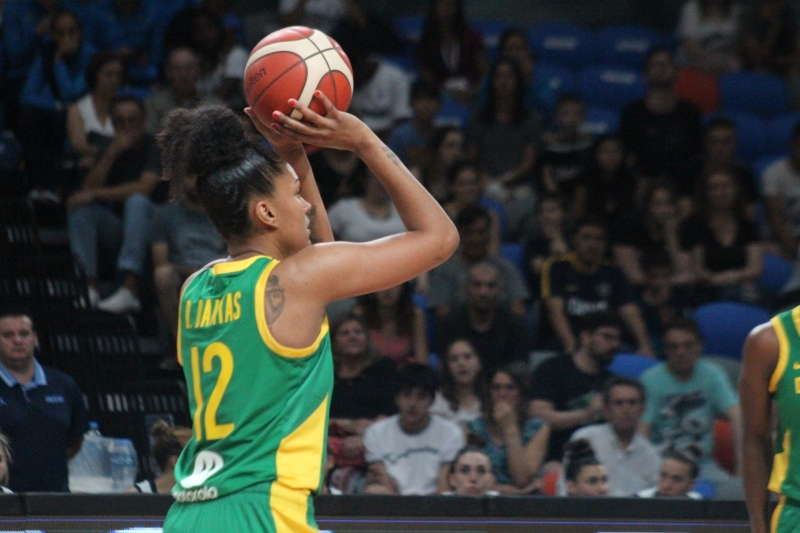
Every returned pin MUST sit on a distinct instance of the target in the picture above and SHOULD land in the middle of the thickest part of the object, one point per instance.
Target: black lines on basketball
(279, 76)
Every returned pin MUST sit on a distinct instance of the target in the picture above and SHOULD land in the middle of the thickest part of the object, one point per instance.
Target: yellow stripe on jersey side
(229, 267)
(289, 510)
(780, 464)
(783, 353)
(298, 461)
(776, 515)
(263, 329)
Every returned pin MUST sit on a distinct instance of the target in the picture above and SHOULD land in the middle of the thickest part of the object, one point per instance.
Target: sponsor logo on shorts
(197, 495)
(206, 464)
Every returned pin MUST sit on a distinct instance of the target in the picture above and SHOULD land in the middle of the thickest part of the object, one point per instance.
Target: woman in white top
(367, 217)
(91, 115)
(463, 384)
(709, 34)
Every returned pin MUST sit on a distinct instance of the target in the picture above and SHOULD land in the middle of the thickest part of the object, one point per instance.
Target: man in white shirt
(632, 462)
(411, 452)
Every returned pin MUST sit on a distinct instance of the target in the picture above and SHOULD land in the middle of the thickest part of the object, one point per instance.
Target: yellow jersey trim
(298, 461)
(180, 328)
(263, 329)
(776, 515)
(783, 353)
(780, 464)
(229, 267)
(289, 509)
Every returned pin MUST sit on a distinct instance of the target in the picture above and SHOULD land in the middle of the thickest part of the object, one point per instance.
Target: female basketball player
(253, 337)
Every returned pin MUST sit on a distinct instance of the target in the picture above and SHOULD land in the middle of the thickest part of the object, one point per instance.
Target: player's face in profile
(292, 212)
(472, 475)
(463, 363)
(674, 479)
(682, 349)
(17, 341)
(413, 405)
(624, 408)
(591, 481)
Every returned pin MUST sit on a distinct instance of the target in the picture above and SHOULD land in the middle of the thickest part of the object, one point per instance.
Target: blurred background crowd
(627, 196)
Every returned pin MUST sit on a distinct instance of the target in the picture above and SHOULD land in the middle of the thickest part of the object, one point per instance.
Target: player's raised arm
(431, 237)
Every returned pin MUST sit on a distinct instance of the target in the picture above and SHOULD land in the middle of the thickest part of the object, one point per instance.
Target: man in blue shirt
(41, 411)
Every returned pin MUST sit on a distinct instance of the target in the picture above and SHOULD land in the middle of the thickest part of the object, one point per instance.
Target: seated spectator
(630, 460)
(549, 238)
(323, 14)
(466, 190)
(449, 52)
(395, 325)
(339, 173)
(582, 282)
(221, 66)
(181, 73)
(709, 35)
(56, 79)
(43, 412)
(662, 132)
(565, 390)
(654, 229)
(719, 149)
(723, 242)
(565, 150)
(517, 444)
(781, 188)
(607, 187)
(494, 330)
(367, 217)
(585, 475)
(363, 391)
(89, 119)
(113, 207)
(462, 387)
(5, 461)
(471, 474)
(676, 477)
(381, 92)
(660, 300)
(130, 28)
(502, 135)
(684, 397)
(448, 280)
(183, 241)
(167, 445)
(411, 452)
(769, 37)
(446, 149)
(408, 140)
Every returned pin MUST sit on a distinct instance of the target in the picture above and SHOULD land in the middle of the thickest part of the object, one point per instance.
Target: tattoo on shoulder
(391, 155)
(275, 299)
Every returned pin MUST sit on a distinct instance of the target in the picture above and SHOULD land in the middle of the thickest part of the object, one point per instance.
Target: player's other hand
(277, 140)
(337, 129)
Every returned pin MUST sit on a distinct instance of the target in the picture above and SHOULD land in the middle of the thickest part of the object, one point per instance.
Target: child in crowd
(585, 475)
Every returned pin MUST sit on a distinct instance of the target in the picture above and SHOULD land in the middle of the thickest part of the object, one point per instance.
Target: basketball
(295, 62)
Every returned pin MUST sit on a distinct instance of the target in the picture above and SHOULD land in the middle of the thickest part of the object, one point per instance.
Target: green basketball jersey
(259, 409)
(785, 386)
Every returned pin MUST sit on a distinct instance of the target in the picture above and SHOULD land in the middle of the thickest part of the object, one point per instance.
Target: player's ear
(264, 214)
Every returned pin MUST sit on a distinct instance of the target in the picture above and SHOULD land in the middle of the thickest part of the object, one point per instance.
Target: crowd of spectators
(618, 236)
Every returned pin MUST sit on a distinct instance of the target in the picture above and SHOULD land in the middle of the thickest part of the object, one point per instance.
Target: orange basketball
(295, 62)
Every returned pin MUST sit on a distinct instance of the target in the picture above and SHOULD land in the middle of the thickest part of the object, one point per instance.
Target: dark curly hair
(578, 454)
(209, 142)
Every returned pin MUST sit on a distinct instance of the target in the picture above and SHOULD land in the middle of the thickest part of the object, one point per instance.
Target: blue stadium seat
(751, 132)
(452, 113)
(753, 92)
(779, 133)
(626, 46)
(631, 365)
(776, 272)
(516, 254)
(725, 326)
(563, 44)
(609, 86)
(560, 79)
(600, 121)
(409, 27)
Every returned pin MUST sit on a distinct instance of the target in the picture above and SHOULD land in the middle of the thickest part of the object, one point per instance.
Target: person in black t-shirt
(723, 242)
(583, 282)
(565, 390)
(661, 131)
(607, 187)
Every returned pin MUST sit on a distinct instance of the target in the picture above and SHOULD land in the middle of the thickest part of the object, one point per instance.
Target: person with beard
(582, 282)
(565, 390)
(684, 397)
(662, 132)
(183, 241)
(411, 452)
(487, 323)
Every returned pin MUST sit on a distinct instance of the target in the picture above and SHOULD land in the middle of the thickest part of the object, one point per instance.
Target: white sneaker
(94, 297)
(121, 302)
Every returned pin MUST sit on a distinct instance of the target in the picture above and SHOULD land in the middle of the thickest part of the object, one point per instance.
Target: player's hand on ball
(337, 129)
(275, 139)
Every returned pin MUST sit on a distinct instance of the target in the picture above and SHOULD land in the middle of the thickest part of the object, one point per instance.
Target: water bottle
(89, 471)
(123, 464)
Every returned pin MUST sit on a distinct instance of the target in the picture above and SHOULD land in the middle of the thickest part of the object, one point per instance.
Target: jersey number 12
(205, 415)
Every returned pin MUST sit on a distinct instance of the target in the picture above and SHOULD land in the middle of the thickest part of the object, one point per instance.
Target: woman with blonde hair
(167, 447)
